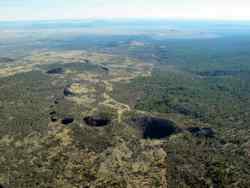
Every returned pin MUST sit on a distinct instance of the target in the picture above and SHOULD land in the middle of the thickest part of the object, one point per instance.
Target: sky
(115, 9)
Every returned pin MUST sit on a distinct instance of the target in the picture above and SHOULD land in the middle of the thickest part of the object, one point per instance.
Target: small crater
(67, 91)
(53, 118)
(67, 120)
(56, 101)
(96, 121)
(52, 113)
(105, 68)
(201, 132)
(56, 71)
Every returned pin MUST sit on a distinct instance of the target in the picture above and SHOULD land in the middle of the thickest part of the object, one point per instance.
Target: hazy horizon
(14, 10)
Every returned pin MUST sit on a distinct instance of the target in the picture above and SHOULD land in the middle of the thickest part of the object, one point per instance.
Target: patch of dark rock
(105, 68)
(156, 128)
(67, 92)
(183, 109)
(188, 110)
(221, 73)
(1, 186)
(56, 71)
(201, 132)
(67, 120)
(6, 60)
(52, 113)
(57, 100)
(86, 61)
(96, 121)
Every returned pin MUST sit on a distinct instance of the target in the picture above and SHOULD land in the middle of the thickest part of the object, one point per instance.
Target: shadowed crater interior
(96, 121)
(67, 120)
(155, 128)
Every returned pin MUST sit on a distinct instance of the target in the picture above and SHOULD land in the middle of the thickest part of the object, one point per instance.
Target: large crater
(155, 128)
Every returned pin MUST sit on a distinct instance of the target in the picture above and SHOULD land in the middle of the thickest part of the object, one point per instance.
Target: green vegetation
(178, 91)
(130, 81)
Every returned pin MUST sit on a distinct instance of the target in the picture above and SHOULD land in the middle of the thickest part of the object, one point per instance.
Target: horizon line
(127, 19)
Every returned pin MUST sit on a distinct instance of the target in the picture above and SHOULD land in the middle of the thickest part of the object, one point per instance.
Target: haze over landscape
(113, 9)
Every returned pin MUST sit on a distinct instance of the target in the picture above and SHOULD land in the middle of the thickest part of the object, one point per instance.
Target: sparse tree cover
(125, 111)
